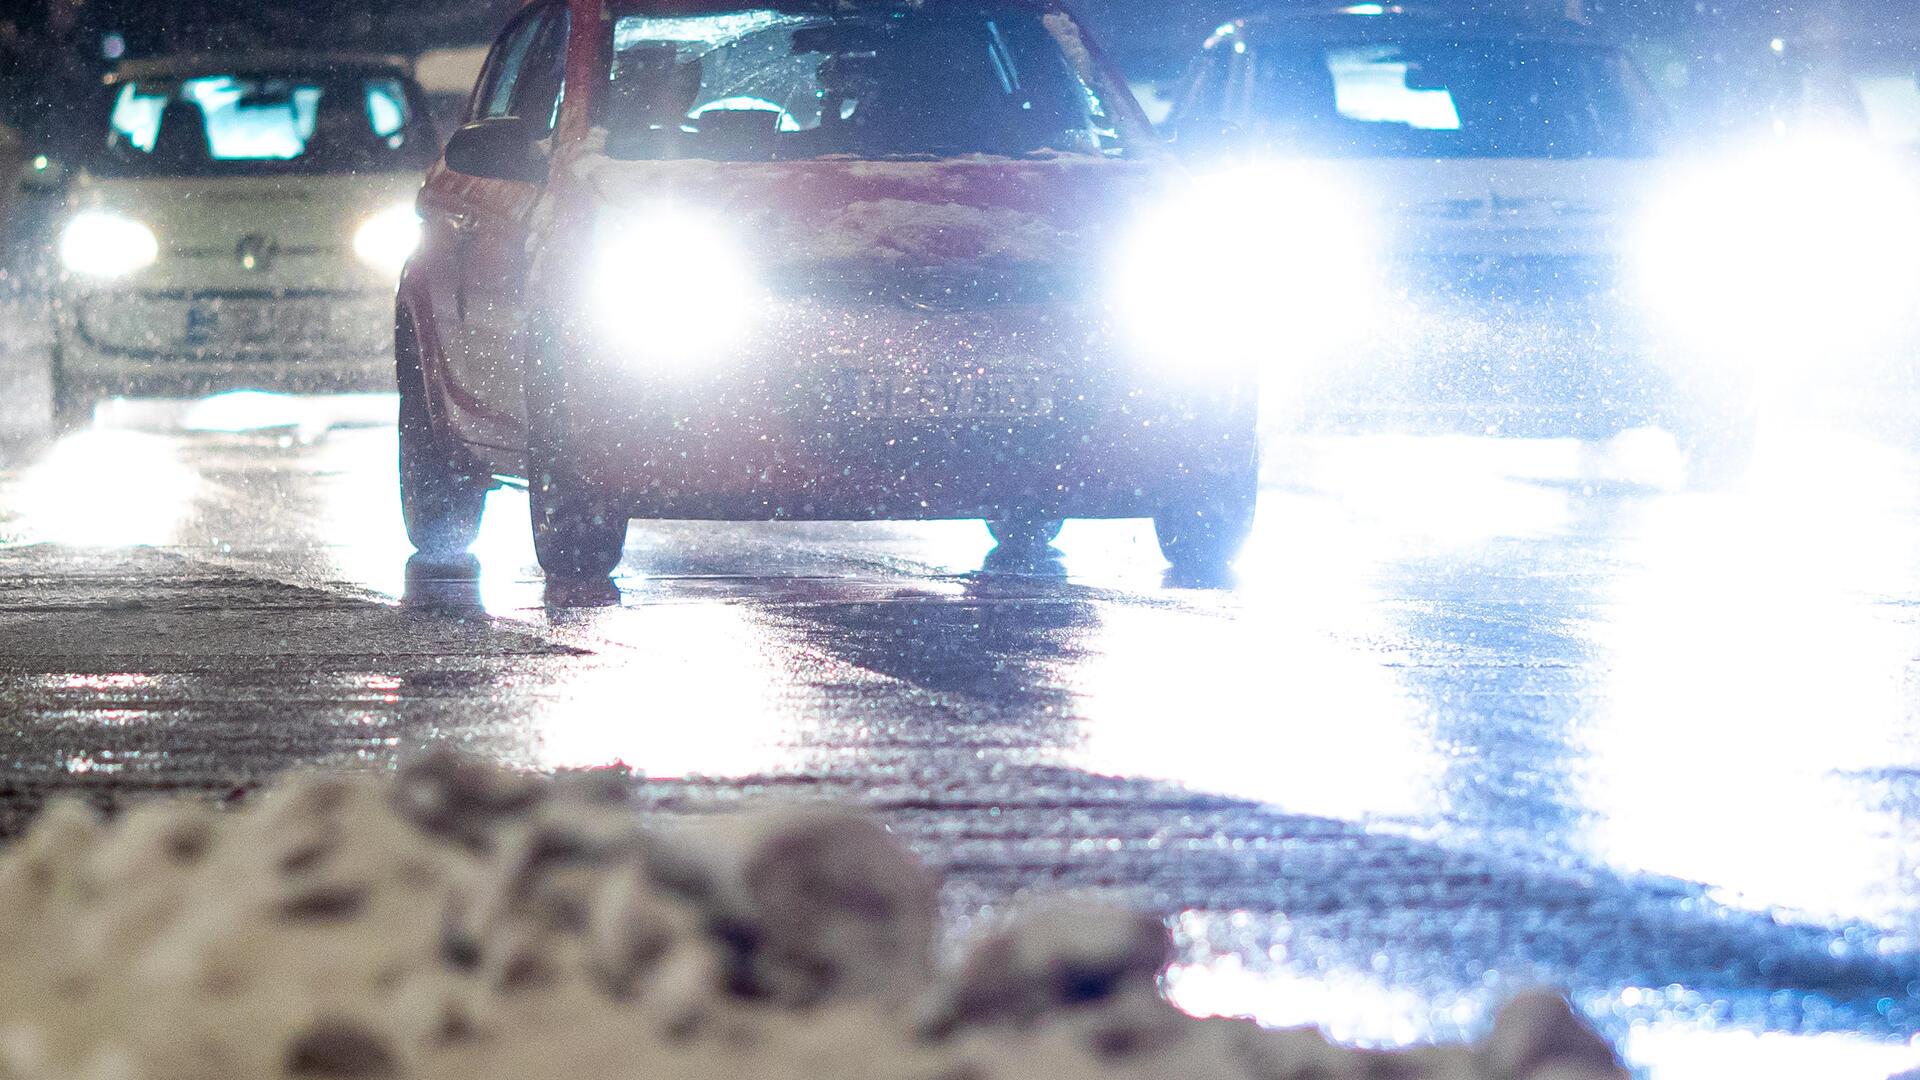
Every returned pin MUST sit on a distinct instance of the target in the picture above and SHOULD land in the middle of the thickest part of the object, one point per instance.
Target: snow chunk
(455, 922)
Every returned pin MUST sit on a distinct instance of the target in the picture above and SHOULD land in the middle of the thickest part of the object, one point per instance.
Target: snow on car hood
(897, 213)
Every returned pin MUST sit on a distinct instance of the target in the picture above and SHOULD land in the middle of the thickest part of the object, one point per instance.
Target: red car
(805, 261)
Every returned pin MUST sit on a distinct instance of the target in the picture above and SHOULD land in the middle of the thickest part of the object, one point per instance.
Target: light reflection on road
(104, 488)
(701, 696)
(1758, 678)
(1732, 675)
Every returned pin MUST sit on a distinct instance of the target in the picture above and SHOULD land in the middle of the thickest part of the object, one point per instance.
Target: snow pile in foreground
(455, 921)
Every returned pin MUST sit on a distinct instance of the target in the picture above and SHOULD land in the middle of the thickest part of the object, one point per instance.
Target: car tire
(576, 534)
(1026, 533)
(442, 496)
(72, 406)
(1720, 442)
(1719, 461)
(1202, 531)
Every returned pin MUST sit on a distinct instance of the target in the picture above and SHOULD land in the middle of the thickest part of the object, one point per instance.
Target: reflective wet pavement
(1477, 714)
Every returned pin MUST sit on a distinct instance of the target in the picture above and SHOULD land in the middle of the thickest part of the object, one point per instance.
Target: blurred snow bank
(461, 922)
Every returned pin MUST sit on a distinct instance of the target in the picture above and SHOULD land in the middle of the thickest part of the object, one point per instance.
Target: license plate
(951, 395)
(215, 322)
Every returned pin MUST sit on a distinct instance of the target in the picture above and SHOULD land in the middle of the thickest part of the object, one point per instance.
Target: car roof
(1372, 21)
(258, 61)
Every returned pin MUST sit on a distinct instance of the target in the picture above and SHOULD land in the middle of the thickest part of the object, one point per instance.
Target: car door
(486, 224)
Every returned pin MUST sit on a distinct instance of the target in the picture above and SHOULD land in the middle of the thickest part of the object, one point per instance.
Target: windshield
(770, 84)
(1871, 86)
(229, 123)
(1427, 99)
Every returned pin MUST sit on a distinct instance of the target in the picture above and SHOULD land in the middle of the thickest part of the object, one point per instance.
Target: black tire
(1720, 456)
(576, 533)
(72, 406)
(1718, 431)
(1026, 534)
(442, 495)
(1201, 531)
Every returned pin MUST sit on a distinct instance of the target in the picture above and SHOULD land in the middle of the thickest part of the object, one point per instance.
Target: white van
(241, 225)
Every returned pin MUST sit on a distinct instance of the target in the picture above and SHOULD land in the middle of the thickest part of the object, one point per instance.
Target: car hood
(907, 214)
(1503, 208)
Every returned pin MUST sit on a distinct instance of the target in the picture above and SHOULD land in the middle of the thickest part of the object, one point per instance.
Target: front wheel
(441, 494)
(1026, 534)
(71, 406)
(1202, 530)
(1719, 457)
(576, 535)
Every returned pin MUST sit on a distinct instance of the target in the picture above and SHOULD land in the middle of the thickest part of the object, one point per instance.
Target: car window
(1870, 87)
(502, 75)
(762, 83)
(241, 123)
(1892, 105)
(542, 77)
(1428, 98)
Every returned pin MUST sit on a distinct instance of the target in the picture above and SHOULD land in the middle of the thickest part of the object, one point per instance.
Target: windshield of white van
(224, 123)
(769, 83)
(1427, 98)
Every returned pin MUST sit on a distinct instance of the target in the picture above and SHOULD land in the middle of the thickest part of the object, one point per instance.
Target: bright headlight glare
(1799, 246)
(387, 240)
(101, 244)
(672, 285)
(1278, 258)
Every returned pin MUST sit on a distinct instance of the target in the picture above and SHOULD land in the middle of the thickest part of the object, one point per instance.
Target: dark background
(1128, 25)
(52, 50)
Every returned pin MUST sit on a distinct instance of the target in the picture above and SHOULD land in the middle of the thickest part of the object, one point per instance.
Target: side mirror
(42, 175)
(506, 148)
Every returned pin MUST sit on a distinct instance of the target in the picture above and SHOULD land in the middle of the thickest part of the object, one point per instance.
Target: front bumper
(884, 411)
(1527, 348)
(173, 342)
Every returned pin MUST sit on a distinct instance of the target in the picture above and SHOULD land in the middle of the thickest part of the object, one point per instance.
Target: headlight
(1798, 247)
(671, 285)
(101, 244)
(1264, 261)
(386, 240)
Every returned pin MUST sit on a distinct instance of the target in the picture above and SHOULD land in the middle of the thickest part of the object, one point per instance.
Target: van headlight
(387, 240)
(97, 243)
(1799, 247)
(672, 286)
(1257, 263)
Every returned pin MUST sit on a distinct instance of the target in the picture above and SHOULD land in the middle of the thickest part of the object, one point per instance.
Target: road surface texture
(1477, 714)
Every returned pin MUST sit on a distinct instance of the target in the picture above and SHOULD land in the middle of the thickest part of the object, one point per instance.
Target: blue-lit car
(1438, 219)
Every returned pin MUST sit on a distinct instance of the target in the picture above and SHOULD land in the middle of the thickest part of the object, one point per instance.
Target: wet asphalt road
(1477, 714)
